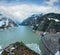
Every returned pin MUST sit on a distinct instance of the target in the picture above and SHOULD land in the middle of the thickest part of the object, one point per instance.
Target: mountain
(31, 20)
(49, 22)
(6, 21)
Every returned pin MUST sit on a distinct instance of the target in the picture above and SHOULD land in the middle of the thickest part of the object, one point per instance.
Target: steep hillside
(49, 22)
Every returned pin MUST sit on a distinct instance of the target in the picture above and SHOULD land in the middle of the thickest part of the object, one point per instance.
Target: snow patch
(57, 20)
(57, 53)
(1, 50)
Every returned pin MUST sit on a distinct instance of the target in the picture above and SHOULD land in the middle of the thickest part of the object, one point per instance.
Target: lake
(21, 33)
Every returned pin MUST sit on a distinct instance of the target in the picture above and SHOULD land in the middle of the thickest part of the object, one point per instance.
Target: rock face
(6, 22)
(18, 49)
(50, 44)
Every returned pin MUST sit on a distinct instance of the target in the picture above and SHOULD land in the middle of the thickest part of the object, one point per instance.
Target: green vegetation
(48, 21)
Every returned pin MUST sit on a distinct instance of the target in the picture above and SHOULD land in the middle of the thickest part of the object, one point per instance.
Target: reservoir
(21, 33)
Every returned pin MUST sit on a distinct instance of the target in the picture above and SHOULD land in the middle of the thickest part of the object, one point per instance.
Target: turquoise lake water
(21, 33)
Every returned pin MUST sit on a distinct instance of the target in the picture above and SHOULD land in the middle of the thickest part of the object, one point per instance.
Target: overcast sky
(24, 8)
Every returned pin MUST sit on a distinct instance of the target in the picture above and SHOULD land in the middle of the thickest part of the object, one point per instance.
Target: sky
(21, 9)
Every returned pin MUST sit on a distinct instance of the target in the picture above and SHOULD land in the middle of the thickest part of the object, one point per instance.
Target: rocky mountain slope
(31, 20)
(6, 21)
(49, 22)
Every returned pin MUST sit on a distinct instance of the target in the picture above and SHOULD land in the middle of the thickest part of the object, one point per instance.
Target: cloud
(23, 11)
(51, 2)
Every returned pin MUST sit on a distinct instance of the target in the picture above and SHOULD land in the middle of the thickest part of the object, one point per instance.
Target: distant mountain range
(41, 22)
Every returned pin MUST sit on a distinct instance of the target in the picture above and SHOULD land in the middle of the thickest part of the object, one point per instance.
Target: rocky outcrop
(18, 48)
